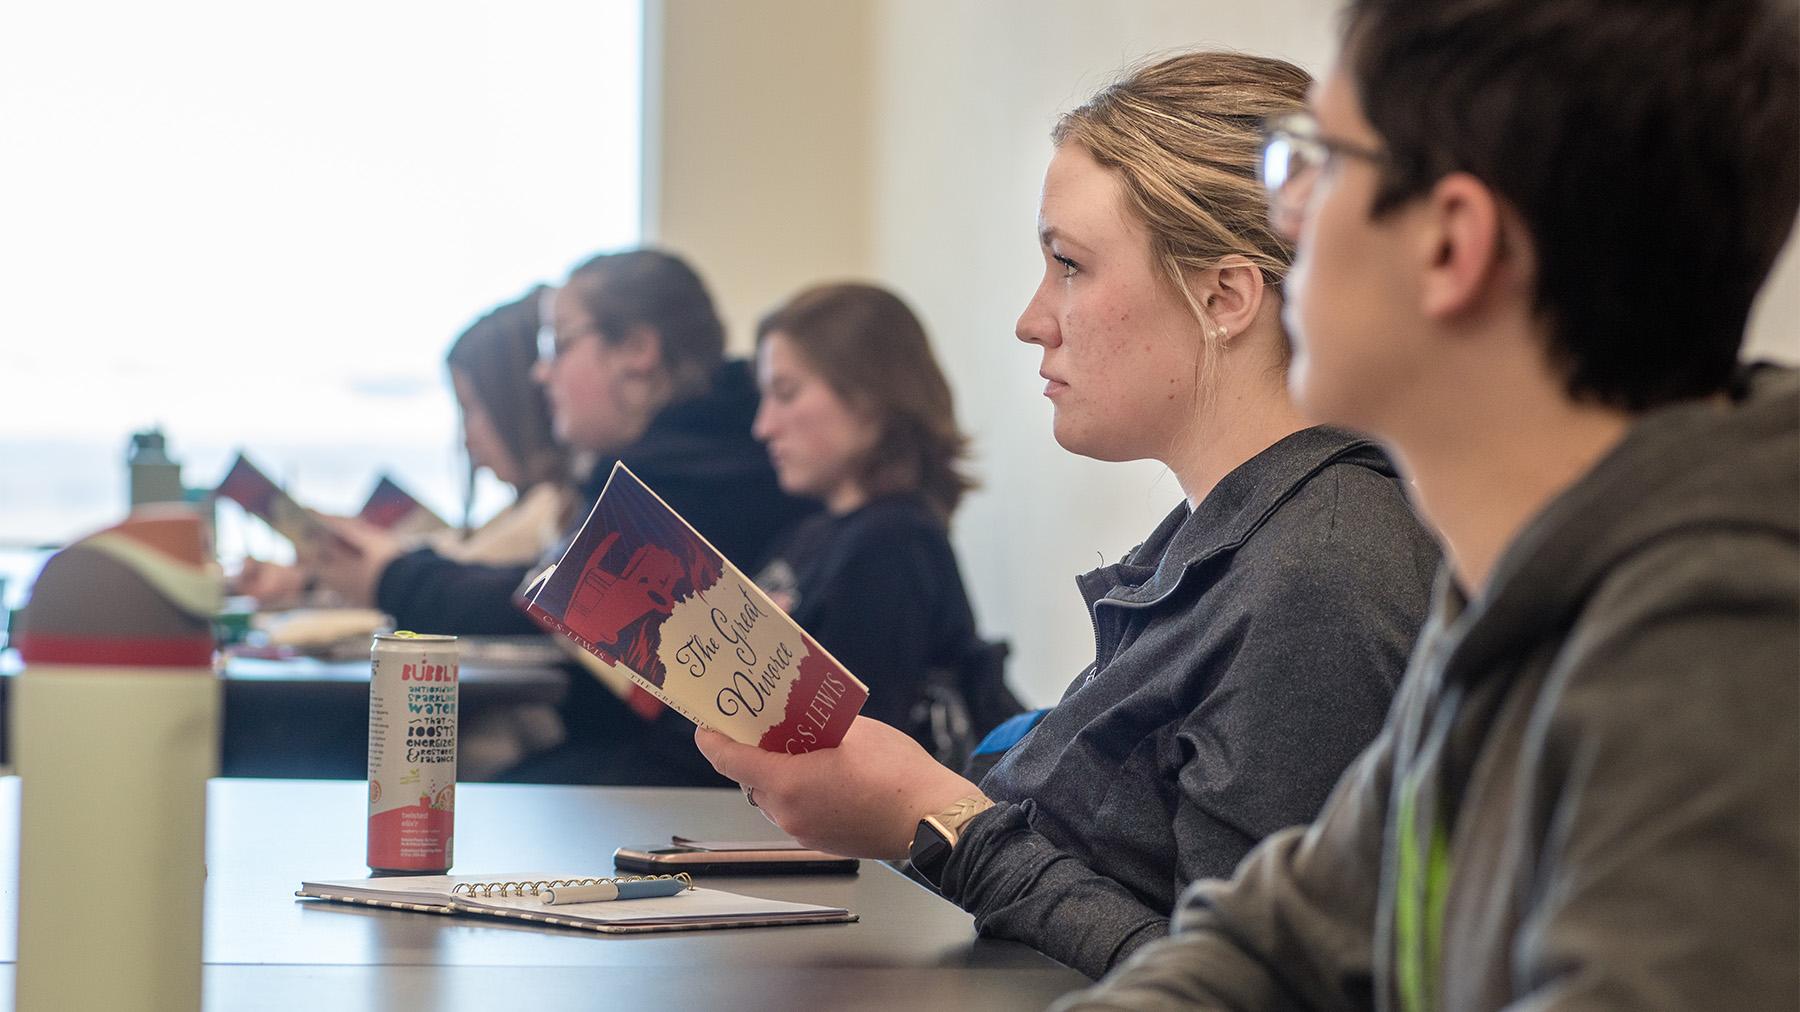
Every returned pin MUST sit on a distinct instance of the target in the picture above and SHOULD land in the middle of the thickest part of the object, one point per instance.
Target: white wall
(756, 143)
(966, 97)
(1775, 322)
(957, 101)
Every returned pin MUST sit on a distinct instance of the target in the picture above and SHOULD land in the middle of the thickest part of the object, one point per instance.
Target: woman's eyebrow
(1048, 234)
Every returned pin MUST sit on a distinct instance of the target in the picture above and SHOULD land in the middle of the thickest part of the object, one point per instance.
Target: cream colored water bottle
(115, 729)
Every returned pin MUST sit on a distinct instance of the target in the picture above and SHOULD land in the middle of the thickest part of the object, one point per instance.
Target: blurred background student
(857, 415)
(506, 431)
(634, 369)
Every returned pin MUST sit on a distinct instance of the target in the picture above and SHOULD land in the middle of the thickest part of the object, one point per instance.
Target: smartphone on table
(731, 857)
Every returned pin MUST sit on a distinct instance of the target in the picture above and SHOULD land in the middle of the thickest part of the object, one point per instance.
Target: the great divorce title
(754, 679)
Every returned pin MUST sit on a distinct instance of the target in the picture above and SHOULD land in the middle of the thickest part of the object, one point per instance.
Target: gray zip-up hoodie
(1244, 656)
(1588, 792)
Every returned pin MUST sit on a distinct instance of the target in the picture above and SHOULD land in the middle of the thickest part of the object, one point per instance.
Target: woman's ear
(1230, 294)
(639, 352)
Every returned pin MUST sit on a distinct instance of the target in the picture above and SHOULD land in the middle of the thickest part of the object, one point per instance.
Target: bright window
(261, 225)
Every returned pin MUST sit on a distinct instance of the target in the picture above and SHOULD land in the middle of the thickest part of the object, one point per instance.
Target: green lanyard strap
(1422, 881)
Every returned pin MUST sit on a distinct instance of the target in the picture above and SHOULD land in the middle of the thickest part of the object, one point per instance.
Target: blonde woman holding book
(1248, 650)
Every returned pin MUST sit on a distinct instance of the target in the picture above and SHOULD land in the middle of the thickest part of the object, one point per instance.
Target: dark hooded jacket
(698, 455)
(1588, 793)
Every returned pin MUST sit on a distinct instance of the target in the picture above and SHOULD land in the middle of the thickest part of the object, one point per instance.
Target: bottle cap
(140, 594)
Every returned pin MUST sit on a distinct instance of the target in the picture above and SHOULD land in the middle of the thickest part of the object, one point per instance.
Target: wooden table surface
(266, 950)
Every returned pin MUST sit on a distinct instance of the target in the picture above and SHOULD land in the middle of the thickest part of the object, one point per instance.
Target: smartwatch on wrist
(937, 835)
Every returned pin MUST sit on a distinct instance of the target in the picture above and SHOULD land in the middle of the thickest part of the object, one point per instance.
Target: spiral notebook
(520, 897)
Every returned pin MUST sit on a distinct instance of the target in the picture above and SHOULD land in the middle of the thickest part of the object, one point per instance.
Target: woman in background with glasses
(635, 372)
(1247, 651)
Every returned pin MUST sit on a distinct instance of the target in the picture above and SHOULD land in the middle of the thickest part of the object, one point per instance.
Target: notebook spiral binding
(485, 889)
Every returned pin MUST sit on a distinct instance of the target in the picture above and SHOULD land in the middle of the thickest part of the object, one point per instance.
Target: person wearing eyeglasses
(634, 369)
(1247, 651)
(1529, 237)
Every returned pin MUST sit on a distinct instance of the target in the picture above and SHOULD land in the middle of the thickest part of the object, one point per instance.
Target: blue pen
(637, 889)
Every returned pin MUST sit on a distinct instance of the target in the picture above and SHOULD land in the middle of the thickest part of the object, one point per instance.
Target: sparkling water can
(413, 682)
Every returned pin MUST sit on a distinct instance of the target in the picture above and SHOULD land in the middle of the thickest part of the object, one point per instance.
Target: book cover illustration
(394, 509)
(641, 589)
(246, 485)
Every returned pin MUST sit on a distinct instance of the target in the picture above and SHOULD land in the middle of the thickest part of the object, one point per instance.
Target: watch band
(937, 836)
(951, 820)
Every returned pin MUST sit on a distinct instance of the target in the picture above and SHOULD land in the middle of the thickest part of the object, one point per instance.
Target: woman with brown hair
(634, 371)
(856, 414)
(506, 431)
(1247, 651)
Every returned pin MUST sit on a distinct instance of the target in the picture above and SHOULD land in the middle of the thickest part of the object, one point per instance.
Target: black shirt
(879, 588)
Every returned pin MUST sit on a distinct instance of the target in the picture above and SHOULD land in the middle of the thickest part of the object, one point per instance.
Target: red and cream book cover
(641, 589)
(393, 508)
(250, 488)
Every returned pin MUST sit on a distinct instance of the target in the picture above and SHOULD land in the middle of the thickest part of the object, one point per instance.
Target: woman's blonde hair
(1184, 134)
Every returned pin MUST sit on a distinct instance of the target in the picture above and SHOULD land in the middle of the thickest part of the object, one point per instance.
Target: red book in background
(246, 485)
(393, 508)
(640, 589)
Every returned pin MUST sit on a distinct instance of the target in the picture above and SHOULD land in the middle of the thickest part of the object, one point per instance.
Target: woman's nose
(1037, 325)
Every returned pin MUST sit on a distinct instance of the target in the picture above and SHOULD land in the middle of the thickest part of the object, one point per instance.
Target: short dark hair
(1650, 147)
(655, 289)
(872, 350)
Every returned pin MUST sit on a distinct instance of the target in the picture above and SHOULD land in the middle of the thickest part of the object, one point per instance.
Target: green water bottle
(153, 476)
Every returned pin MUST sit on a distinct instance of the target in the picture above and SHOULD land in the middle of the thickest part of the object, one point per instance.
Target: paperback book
(247, 485)
(398, 511)
(641, 590)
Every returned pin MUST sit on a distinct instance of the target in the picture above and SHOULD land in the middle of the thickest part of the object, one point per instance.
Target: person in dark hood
(634, 368)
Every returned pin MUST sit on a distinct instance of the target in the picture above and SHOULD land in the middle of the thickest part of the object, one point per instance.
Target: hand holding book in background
(351, 562)
(344, 554)
(398, 511)
(247, 485)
